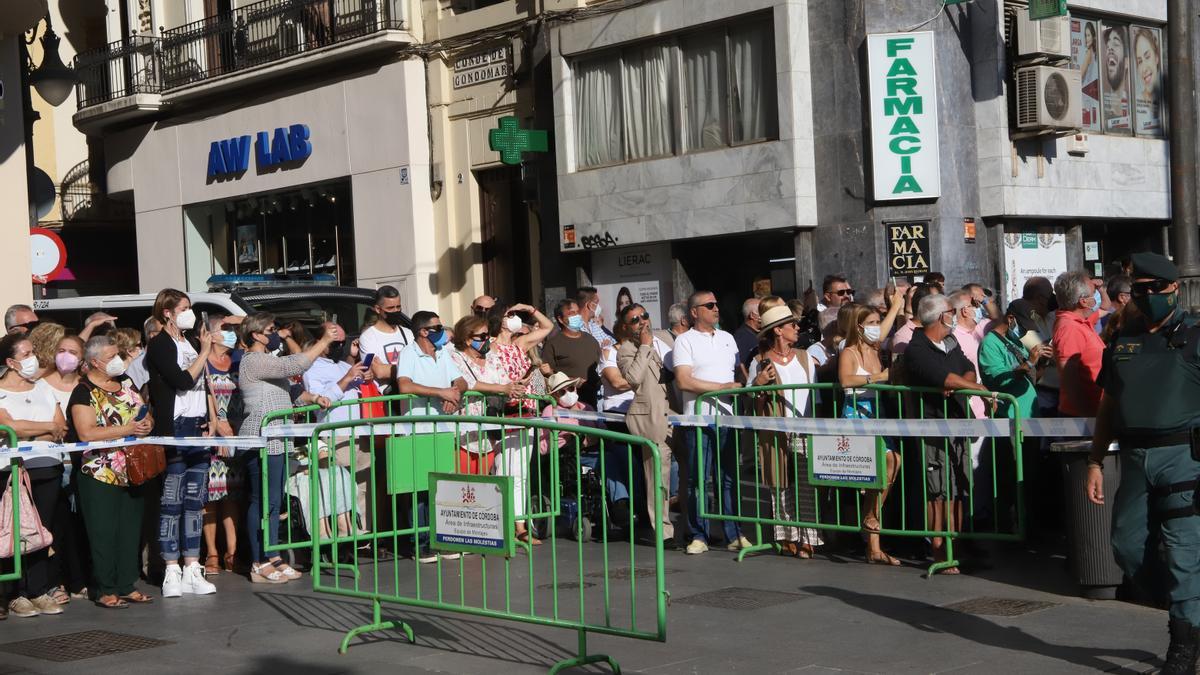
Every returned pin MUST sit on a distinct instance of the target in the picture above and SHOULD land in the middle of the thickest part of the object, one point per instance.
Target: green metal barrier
(567, 580)
(771, 485)
(12, 571)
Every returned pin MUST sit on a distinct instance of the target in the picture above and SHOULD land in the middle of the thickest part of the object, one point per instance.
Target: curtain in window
(753, 94)
(647, 102)
(598, 111)
(704, 92)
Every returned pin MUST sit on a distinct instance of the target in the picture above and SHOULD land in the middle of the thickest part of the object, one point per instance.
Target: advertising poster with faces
(1148, 83)
(1085, 57)
(1114, 78)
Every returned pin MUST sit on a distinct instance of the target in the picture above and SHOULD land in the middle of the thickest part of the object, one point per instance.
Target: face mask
(569, 399)
(872, 333)
(597, 312)
(1095, 302)
(1016, 330)
(439, 338)
(953, 322)
(66, 362)
(978, 315)
(185, 320)
(575, 322)
(27, 367)
(115, 367)
(229, 338)
(274, 342)
(513, 323)
(1155, 307)
(480, 346)
(394, 319)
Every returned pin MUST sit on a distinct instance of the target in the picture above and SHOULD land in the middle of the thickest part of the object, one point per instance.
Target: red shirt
(1079, 352)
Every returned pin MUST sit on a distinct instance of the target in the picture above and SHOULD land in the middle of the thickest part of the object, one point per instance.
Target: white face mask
(28, 367)
(569, 399)
(513, 323)
(115, 367)
(185, 320)
(598, 312)
(872, 333)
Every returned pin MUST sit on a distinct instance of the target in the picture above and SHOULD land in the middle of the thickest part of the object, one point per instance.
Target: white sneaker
(194, 581)
(741, 543)
(696, 547)
(172, 582)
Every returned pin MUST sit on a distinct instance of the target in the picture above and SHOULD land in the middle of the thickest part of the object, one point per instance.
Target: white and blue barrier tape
(1070, 427)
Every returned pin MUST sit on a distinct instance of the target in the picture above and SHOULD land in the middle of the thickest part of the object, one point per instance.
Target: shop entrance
(1105, 244)
(734, 267)
(504, 221)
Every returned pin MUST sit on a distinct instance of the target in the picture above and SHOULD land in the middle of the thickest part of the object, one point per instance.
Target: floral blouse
(513, 365)
(111, 409)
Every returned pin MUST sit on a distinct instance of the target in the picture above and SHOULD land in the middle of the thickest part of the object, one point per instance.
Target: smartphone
(335, 317)
(204, 320)
(141, 413)
(368, 359)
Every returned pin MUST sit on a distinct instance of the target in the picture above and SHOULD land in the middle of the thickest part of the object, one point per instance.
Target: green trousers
(1143, 499)
(113, 516)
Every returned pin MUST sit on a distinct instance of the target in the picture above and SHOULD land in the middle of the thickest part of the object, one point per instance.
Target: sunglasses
(638, 318)
(707, 305)
(844, 292)
(479, 336)
(1150, 287)
(435, 329)
(481, 311)
(27, 326)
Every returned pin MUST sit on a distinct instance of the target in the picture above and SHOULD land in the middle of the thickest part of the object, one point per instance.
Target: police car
(309, 299)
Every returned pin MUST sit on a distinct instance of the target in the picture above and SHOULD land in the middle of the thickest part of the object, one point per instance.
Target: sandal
(868, 528)
(788, 548)
(138, 598)
(211, 566)
(527, 538)
(804, 552)
(228, 562)
(286, 570)
(60, 596)
(81, 595)
(265, 573)
(111, 602)
(882, 558)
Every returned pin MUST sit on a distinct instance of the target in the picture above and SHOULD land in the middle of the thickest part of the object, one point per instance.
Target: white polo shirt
(713, 358)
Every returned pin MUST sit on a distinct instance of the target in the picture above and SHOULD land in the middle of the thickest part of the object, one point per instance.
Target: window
(698, 91)
(460, 6)
(1121, 76)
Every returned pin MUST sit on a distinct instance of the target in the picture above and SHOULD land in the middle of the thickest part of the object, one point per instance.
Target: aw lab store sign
(902, 77)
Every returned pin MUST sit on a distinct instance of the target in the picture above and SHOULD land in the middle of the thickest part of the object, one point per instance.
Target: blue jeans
(276, 473)
(697, 488)
(185, 491)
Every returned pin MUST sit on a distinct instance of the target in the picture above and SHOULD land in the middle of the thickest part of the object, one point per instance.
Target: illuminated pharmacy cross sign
(510, 140)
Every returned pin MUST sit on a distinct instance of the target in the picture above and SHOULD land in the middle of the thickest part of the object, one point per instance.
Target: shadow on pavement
(933, 619)
(460, 635)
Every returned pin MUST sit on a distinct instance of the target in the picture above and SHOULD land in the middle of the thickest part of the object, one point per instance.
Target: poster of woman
(1085, 57)
(1114, 50)
(1147, 81)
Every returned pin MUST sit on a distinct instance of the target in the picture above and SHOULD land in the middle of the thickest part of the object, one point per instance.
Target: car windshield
(348, 312)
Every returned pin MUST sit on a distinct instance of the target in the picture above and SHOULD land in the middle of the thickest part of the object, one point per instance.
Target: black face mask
(337, 350)
(394, 319)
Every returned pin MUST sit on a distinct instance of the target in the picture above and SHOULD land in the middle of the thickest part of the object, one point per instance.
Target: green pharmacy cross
(510, 140)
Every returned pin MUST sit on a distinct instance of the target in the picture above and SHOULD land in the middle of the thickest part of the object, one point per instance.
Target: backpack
(34, 535)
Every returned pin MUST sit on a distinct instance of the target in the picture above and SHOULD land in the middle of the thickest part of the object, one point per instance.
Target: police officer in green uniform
(1151, 407)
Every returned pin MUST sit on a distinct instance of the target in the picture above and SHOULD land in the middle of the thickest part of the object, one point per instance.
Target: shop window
(302, 231)
(696, 91)
(1121, 75)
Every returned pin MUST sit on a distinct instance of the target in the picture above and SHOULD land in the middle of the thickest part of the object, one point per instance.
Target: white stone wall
(763, 186)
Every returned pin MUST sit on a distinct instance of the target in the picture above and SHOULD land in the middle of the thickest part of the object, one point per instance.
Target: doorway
(504, 224)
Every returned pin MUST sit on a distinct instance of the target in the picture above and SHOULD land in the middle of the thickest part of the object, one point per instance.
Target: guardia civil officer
(1151, 407)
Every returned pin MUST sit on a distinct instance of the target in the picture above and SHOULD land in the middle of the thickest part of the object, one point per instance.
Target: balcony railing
(244, 38)
(267, 31)
(118, 69)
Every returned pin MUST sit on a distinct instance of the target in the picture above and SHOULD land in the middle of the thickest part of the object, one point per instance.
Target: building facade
(736, 143)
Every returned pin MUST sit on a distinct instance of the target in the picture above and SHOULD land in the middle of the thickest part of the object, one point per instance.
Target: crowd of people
(219, 376)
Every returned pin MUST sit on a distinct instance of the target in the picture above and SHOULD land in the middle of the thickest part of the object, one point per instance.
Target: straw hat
(776, 316)
(559, 381)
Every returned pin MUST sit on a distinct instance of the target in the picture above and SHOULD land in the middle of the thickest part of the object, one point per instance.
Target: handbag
(34, 536)
(144, 462)
(371, 409)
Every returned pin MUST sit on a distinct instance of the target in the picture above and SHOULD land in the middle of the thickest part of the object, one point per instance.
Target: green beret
(1153, 265)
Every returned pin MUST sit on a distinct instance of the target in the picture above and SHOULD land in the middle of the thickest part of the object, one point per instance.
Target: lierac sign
(230, 158)
(902, 77)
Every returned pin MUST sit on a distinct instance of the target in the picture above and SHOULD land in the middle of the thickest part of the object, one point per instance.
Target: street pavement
(832, 614)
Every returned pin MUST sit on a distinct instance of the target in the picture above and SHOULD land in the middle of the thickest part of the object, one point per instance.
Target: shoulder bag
(33, 535)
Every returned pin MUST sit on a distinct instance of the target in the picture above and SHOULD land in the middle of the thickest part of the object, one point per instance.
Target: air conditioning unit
(1043, 37)
(1048, 98)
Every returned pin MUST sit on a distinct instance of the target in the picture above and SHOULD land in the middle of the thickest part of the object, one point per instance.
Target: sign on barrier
(472, 513)
(847, 461)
